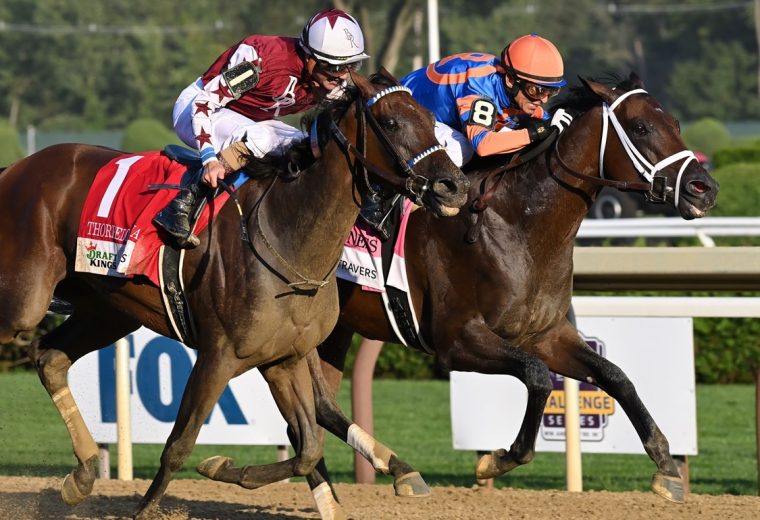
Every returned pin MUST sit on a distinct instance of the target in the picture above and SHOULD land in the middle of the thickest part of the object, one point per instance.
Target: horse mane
(578, 99)
(299, 157)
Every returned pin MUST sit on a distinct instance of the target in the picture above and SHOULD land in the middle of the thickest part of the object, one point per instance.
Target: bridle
(415, 185)
(656, 186)
(403, 176)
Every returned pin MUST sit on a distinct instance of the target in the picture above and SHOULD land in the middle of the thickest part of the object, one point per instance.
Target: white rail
(703, 228)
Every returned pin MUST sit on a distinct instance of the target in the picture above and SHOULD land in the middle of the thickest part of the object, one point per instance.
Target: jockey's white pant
(458, 147)
(261, 137)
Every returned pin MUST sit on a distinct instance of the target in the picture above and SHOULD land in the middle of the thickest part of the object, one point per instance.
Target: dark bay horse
(498, 305)
(264, 304)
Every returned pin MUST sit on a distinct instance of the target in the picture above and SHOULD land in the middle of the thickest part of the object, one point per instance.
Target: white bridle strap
(397, 88)
(645, 169)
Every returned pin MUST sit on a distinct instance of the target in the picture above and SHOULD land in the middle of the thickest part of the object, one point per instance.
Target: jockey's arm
(478, 116)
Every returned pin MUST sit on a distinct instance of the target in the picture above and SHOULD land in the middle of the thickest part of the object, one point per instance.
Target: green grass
(413, 418)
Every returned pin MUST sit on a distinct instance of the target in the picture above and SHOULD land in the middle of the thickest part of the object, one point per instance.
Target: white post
(31, 140)
(123, 412)
(573, 436)
(434, 48)
(104, 462)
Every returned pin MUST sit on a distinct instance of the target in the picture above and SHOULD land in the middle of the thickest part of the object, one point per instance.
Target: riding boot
(175, 217)
(375, 210)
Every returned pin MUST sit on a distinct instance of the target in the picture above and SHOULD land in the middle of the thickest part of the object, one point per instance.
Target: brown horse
(499, 305)
(247, 313)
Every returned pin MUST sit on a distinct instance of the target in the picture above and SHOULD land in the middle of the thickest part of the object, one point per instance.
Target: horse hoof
(411, 485)
(210, 467)
(488, 466)
(670, 488)
(70, 492)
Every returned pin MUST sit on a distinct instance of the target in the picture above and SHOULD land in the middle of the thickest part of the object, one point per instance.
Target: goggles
(536, 92)
(334, 69)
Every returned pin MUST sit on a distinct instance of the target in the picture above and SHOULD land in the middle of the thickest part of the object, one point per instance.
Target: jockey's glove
(537, 128)
(561, 119)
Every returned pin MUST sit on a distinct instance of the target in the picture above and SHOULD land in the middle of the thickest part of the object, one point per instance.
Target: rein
(413, 184)
(480, 204)
(645, 169)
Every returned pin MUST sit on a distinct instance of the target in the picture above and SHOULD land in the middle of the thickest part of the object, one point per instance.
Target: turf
(413, 418)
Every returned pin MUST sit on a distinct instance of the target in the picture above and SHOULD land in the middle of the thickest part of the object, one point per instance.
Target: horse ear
(600, 89)
(363, 84)
(387, 75)
(635, 80)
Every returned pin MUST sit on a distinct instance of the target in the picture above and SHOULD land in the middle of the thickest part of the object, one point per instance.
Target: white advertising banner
(159, 367)
(657, 354)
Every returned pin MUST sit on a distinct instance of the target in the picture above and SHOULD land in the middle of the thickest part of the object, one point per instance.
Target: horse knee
(52, 366)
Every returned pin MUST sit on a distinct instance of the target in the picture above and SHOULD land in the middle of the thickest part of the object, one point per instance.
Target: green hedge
(739, 190)
(745, 154)
(706, 135)
(10, 150)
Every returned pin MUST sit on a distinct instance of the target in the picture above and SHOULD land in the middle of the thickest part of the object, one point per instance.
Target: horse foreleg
(206, 383)
(291, 388)
(58, 350)
(483, 351)
(571, 357)
(406, 480)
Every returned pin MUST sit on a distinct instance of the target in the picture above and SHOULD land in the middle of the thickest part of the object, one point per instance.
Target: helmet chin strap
(646, 170)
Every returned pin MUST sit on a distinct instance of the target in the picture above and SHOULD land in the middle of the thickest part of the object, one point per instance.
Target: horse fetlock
(499, 462)
(78, 484)
(213, 467)
(411, 485)
(668, 487)
(375, 452)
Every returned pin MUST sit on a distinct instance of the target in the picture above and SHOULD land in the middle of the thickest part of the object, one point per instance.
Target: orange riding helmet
(534, 59)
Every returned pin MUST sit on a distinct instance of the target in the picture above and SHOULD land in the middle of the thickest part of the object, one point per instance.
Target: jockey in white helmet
(239, 99)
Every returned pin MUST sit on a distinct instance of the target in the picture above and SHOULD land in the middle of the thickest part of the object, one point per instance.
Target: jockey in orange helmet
(488, 104)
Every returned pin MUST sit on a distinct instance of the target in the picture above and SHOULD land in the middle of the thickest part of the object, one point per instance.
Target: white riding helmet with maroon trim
(335, 37)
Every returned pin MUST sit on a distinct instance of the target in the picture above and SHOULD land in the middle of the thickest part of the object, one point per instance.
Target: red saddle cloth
(116, 235)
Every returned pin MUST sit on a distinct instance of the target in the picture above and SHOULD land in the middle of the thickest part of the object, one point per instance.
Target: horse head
(639, 148)
(395, 142)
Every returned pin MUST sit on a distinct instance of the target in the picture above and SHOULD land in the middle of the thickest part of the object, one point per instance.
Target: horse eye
(640, 128)
(390, 124)
(678, 126)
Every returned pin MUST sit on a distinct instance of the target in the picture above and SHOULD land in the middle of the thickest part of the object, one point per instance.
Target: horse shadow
(47, 505)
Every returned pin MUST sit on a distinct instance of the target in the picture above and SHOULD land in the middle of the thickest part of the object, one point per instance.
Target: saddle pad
(381, 267)
(116, 236)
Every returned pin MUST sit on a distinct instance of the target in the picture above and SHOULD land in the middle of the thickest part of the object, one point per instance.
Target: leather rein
(413, 184)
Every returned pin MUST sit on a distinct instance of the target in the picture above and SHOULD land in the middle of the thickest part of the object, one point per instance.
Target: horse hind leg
(80, 334)
(291, 388)
(407, 481)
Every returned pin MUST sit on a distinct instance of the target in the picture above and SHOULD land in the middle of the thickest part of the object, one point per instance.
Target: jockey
(239, 99)
(489, 105)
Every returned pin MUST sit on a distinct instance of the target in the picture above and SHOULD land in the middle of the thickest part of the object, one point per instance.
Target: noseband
(656, 186)
(403, 175)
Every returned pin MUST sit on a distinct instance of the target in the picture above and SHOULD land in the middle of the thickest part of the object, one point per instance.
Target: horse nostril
(445, 187)
(699, 187)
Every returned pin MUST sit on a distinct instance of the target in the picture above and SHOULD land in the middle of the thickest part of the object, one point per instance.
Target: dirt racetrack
(27, 498)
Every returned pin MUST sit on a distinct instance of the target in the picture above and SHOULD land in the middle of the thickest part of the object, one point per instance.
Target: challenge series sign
(657, 354)
(159, 367)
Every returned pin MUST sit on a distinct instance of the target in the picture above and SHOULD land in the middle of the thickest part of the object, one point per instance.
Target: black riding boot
(175, 217)
(375, 211)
